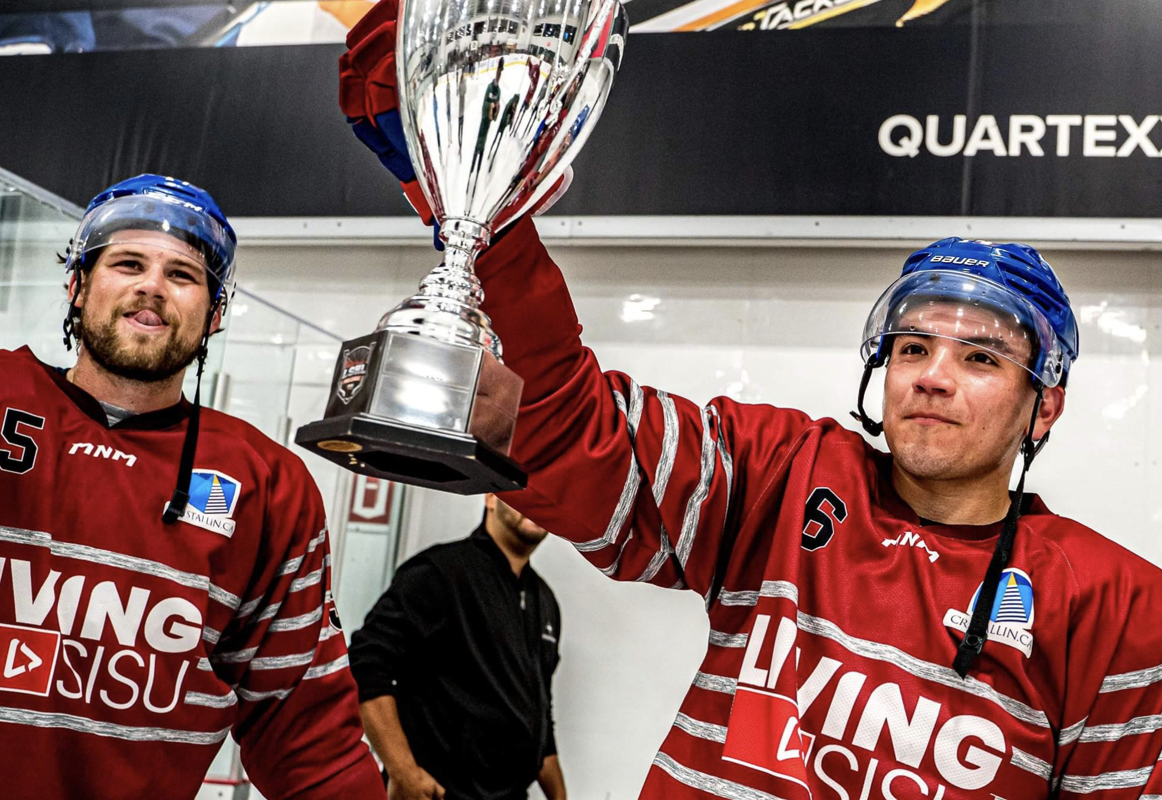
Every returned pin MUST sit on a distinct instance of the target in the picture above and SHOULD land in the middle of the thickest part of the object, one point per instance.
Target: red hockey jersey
(130, 649)
(827, 673)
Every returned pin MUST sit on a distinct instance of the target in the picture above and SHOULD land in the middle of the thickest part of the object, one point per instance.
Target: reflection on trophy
(496, 99)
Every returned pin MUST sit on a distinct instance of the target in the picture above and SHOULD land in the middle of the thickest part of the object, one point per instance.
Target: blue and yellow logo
(213, 497)
(1011, 617)
(1014, 601)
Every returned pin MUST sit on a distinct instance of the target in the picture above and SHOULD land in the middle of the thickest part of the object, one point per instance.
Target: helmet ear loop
(69, 325)
(871, 426)
(1030, 448)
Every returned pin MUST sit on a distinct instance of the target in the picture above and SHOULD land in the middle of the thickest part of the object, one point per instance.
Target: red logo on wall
(27, 659)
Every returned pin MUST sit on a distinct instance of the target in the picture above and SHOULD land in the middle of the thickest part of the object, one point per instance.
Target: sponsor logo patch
(28, 658)
(213, 496)
(1012, 613)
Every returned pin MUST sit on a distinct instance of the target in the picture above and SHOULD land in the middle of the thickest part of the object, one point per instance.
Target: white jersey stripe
(1030, 763)
(44, 719)
(1131, 680)
(669, 446)
(708, 783)
(269, 612)
(291, 566)
(724, 456)
(659, 558)
(254, 697)
(247, 608)
(235, 657)
(632, 479)
(297, 623)
(323, 670)
(210, 636)
(282, 662)
(1070, 734)
(715, 683)
(612, 568)
(935, 673)
(310, 579)
(211, 700)
(93, 555)
(703, 730)
(670, 435)
(720, 639)
(694, 505)
(783, 589)
(1114, 731)
(882, 652)
(1124, 779)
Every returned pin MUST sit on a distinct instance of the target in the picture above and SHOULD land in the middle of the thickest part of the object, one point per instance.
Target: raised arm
(643, 482)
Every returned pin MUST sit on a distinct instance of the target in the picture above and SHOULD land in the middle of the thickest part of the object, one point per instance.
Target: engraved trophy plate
(496, 99)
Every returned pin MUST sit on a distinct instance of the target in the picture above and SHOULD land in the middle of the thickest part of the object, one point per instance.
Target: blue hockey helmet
(166, 205)
(1004, 297)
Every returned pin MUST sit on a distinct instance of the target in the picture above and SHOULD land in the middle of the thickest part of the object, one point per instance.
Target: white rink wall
(776, 325)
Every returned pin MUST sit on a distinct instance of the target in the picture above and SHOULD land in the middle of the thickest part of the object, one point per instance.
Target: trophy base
(448, 461)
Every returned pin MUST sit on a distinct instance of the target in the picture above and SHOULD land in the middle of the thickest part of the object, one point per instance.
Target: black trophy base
(384, 448)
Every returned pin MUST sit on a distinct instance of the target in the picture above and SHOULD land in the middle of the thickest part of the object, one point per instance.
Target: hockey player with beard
(884, 626)
(164, 569)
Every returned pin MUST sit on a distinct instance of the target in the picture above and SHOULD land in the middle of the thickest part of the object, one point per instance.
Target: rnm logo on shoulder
(213, 496)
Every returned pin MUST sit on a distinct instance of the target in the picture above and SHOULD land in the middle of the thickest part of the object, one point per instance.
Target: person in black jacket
(454, 665)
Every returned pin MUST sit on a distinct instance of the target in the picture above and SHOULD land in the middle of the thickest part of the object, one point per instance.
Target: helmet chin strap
(871, 426)
(181, 493)
(977, 633)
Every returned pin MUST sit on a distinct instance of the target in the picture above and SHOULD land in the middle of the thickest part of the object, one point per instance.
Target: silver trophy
(496, 98)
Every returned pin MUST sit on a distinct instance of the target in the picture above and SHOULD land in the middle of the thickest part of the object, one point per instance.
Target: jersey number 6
(18, 444)
(824, 511)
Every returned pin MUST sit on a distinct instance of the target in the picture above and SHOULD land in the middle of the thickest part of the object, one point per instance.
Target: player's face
(954, 409)
(144, 305)
(520, 526)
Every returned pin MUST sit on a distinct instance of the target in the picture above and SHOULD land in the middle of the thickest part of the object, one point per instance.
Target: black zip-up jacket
(468, 651)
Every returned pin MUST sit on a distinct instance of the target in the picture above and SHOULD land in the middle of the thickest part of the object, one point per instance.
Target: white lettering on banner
(102, 451)
(903, 135)
(968, 750)
(784, 14)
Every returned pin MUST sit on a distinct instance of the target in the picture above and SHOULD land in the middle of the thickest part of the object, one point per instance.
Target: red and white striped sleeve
(1111, 737)
(298, 720)
(644, 483)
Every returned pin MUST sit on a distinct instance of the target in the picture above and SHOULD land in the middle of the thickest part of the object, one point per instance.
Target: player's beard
(132, 356)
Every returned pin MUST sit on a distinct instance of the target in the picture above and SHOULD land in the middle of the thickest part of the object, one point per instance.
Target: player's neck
(980, 500)
(136, 396)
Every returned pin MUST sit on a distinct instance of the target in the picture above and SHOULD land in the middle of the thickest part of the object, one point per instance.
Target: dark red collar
(149, 420)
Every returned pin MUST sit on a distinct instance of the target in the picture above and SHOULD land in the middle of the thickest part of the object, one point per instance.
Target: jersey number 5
(20, 454)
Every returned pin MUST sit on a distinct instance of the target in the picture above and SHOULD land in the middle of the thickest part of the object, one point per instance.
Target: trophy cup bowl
(496, 99)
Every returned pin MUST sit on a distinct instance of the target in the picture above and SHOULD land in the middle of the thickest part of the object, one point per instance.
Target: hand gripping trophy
(496, 99)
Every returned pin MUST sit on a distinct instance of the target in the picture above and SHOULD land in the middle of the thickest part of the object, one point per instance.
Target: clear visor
(163, 222)
(965, 308)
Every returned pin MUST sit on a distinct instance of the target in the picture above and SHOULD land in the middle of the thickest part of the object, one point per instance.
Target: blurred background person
(454, 665)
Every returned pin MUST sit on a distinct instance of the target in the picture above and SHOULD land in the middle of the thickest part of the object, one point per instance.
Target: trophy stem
(447, 305)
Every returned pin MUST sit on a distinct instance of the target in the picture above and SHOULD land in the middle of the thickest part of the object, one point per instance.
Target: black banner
(1024, 120)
